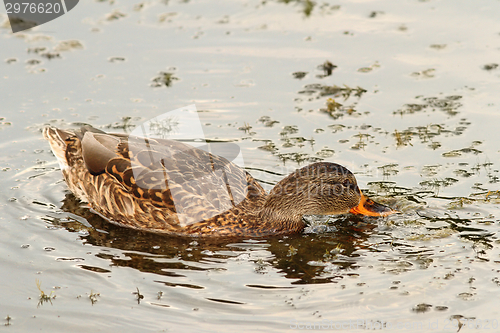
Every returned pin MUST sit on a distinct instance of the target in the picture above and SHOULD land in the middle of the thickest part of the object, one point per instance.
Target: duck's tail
(57, 140)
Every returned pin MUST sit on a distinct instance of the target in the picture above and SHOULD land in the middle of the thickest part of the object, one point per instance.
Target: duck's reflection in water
(301, 257)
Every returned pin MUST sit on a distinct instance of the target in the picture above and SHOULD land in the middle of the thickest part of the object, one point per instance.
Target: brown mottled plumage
(169, 187)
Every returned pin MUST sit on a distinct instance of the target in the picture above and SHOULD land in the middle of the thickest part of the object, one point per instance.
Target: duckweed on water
(93, 297)
(246, 128)
(441, 233)
(369, 68)
(292, 251)
(402, 138)
(44, 298)
(489, 197)
(389, 169)
(490, 67)
(426, 134)
(138, 295)
(126, 124)
(424, 74)
(299, 75)
(327, 67)
(448, 104)
(269, 146)
(299, 158)
(422, 307)
(267, 121)
(436, 184)
(307, 5)
(460, 152)
(115, 15)
(163, 79)
(317, 90)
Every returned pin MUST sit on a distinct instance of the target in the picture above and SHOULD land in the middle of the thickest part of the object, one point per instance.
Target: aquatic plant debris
(138, 295)
(163, 79)
(44, 298)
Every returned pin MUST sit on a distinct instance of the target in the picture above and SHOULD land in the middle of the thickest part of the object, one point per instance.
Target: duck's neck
(283, 213)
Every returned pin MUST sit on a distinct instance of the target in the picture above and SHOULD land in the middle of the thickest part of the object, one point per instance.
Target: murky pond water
(405, 94)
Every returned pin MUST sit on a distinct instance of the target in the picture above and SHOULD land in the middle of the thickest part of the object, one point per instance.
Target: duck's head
(320, 189)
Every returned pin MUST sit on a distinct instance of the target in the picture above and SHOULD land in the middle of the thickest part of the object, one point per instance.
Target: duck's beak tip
(369, 207)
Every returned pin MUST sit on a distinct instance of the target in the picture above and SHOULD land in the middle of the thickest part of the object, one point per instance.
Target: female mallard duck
(170, 187)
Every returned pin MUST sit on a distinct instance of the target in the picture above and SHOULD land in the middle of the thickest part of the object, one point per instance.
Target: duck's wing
(190, 182)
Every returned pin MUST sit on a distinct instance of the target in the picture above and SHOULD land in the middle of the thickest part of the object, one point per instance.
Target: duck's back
(152, 184)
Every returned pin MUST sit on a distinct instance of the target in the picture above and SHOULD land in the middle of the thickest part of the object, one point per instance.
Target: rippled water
(405, 94)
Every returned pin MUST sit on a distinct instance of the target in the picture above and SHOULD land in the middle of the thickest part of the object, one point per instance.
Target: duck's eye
(347, 183)
(356, 188)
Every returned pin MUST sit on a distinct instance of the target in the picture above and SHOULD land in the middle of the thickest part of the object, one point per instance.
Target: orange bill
(371, 208)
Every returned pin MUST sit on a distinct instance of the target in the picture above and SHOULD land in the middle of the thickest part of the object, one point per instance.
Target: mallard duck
(166, 186)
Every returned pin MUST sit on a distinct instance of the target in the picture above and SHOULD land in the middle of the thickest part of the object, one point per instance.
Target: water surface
(405, 94)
